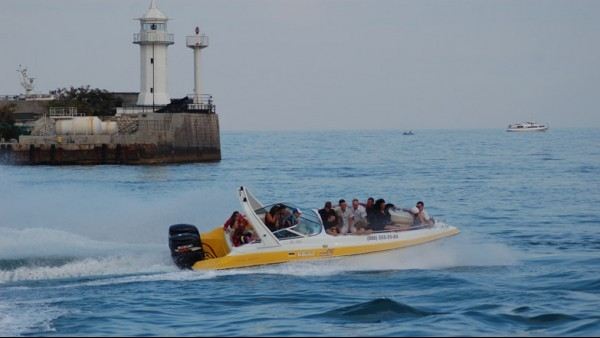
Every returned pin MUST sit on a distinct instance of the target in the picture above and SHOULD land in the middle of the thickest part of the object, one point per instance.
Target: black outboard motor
(185, 245)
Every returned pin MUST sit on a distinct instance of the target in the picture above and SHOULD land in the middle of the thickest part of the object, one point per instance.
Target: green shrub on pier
(92, 102)
(8, 130)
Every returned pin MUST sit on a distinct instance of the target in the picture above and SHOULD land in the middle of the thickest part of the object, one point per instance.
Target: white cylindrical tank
(110, 127)
(87, 125)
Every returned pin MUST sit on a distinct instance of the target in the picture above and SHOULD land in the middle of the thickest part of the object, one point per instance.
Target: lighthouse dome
(153, 13)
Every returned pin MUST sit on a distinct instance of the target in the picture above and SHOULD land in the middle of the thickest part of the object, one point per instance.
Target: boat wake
(71, 268)
(463, 251)
(42, 254)
(31, 317)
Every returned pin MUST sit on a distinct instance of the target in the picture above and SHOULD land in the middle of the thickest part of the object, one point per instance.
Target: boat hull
(520, 130)
(329, 247)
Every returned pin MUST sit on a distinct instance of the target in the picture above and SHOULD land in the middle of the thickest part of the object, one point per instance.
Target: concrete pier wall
(151, 139)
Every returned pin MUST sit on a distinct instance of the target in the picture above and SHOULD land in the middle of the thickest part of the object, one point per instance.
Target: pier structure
(156, 130)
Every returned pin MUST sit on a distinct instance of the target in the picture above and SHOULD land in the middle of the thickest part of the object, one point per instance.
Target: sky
(334, 64)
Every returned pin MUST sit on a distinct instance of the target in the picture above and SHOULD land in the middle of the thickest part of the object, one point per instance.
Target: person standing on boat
(344, 216)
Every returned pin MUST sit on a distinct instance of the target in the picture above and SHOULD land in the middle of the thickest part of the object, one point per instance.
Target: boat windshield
(293, 224)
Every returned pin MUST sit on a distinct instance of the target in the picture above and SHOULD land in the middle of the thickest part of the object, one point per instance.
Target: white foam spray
(22, 317)
(464, 250)
(139, 263)
(46, 254)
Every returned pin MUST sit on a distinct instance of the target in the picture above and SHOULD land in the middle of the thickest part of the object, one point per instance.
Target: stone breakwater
(153, 138)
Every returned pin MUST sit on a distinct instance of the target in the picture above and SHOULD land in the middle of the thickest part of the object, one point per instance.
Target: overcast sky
(333, 64)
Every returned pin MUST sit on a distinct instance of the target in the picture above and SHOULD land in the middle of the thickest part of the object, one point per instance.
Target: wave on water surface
(377, 310)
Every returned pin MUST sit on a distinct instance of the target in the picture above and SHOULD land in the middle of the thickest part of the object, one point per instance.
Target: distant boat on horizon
(408, 133)
(527, 126)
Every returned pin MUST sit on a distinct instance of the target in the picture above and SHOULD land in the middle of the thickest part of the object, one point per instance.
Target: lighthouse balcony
(196, 41)
(153, 37)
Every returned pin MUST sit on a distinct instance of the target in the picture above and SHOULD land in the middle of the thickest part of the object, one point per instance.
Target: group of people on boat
(281, 217)
(364, 218)
(277, 218)
(358, 218)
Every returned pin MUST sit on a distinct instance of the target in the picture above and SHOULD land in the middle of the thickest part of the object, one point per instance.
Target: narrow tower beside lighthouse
(198, 42)
(153, 39)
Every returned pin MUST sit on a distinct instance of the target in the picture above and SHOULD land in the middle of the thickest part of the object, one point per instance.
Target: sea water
(83, 249)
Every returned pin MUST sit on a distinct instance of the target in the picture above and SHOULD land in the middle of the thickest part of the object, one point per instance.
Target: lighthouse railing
(196, 41)
(202, 102)
(153, 36)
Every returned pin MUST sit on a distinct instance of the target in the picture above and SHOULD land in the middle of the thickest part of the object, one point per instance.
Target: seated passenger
(420, 215)
(369, 205)
(240, 230)
(228, 226)
(289, 218)
(272, 217)
(379, 218)
(295, 217)
(329, 219)
(359, 217)
(344, 217)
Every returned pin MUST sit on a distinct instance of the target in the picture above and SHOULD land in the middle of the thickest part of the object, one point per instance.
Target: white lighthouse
(153, 39)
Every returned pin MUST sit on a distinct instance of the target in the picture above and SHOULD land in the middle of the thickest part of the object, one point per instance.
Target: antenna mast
(26, 81)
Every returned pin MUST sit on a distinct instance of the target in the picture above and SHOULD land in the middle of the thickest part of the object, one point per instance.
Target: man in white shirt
(344, 216)
(359, 216)
(421, 216)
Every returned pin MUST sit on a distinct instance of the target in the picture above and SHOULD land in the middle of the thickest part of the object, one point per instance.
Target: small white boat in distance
(527, 126)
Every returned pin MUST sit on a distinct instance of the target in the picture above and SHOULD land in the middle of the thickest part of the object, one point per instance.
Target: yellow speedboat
(305, 240)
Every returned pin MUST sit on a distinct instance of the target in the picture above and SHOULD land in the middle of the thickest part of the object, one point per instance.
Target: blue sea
(83, 249)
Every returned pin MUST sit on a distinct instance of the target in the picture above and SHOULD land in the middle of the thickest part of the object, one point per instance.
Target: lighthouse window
(154, 26)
